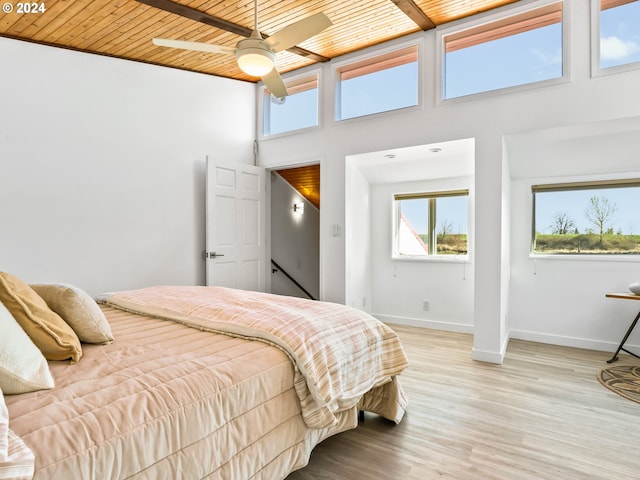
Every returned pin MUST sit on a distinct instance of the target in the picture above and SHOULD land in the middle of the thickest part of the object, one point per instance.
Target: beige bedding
(340, 353)
(165, 401)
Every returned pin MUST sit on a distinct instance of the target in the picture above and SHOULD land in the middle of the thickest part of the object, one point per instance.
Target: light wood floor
(540, 415)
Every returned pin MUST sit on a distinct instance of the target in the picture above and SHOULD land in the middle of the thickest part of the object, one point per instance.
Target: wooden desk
(625, 296)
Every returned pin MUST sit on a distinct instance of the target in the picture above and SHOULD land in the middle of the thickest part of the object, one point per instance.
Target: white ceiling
(453, 159)
(597, 148)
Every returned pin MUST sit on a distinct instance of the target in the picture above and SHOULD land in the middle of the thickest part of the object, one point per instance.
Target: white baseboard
(568, 341)
(498, 357)
(422, 323)
(490, 356)
(481, 356)
(486, 356)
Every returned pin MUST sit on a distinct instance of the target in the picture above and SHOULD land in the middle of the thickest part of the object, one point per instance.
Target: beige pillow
(23, 368)
(16, 459)
(55, 339)
(79, 310)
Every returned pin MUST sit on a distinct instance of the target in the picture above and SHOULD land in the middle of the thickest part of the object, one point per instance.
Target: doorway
(295, 231)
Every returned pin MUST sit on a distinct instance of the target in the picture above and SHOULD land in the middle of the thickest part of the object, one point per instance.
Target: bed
(204, 382)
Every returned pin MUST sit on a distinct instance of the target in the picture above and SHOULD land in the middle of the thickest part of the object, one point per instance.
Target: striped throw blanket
(341, 355)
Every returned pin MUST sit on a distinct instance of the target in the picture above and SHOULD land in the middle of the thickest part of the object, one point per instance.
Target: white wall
(295, 240)
(574, 103)
(358, 238)
(102, 165)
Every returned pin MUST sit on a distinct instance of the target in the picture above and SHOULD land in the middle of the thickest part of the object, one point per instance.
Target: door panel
(250, 272)
(251, 214)
(223, 229)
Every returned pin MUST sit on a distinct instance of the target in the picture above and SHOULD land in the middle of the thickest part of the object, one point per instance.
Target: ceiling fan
(255, 55)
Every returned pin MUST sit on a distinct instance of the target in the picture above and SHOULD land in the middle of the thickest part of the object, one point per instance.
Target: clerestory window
(619, 33)
(296, 111)
(516, 50)
(378, 84)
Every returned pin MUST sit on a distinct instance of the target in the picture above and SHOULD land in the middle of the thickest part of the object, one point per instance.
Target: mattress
(167, 401)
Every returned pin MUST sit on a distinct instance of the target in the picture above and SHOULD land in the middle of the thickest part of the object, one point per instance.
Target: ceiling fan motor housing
(254, 57)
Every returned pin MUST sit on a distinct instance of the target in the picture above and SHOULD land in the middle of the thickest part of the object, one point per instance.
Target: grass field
(587, 243)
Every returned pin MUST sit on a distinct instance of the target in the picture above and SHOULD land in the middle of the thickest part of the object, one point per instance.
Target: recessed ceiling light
(390, 155)
(435, 149)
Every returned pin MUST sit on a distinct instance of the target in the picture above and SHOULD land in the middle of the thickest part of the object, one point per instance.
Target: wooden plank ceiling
(124, 28)
(306, 180)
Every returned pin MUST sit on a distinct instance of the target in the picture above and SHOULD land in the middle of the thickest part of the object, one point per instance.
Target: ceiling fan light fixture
(254, 58)
(255, 64)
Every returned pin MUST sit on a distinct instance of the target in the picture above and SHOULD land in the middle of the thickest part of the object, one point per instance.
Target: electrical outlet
(426, 305)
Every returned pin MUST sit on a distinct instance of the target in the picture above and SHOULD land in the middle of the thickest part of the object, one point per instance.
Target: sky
(453, 210)
(388, 89)
(528, 57)
(626, 218)
(620, 35)
(298, 111)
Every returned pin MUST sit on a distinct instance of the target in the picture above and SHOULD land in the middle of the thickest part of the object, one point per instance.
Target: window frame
(368, 59)
(498, 16)
(568, 185)
(596, 71)
(299, 77)
(432, 225)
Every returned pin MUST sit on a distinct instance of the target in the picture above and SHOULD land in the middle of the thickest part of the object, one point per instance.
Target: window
(296, 111)
(430, 224)
(587, 218)
(619, 32)
(380, 84)
(516, 50)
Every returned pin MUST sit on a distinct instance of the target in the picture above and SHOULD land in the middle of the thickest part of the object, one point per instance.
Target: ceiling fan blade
(298, 32)
(273, 81)
(197, 46)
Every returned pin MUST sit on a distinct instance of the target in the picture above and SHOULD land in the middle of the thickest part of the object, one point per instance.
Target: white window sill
(586, 257)
(432, 258)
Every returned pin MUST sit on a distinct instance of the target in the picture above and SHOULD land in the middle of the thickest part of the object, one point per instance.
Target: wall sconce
(298, 208)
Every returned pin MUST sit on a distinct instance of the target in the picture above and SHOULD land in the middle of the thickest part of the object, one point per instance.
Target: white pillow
(16, 459)
(78, 310)
(23, 368)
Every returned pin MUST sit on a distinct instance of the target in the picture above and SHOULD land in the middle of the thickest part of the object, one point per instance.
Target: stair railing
(277, 268)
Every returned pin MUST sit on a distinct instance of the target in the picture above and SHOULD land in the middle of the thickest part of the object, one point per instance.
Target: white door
(235, 230)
